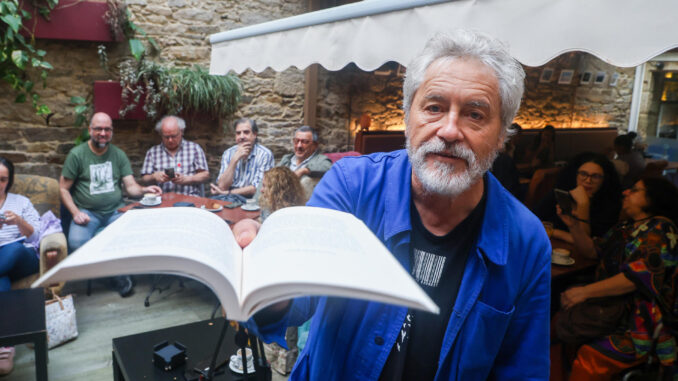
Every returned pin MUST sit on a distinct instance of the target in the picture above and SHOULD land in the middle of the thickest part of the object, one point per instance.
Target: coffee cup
(151, 198)
(561, 255)
(251, 201)
(236, 360)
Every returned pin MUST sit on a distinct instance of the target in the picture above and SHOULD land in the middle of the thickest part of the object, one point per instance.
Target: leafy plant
(118, 18)
(166, 89)
(18, 55)
(83, 109)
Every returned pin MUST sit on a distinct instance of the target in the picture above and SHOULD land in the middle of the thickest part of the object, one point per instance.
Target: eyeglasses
(593, 176)
(102, 129)
(302, 141)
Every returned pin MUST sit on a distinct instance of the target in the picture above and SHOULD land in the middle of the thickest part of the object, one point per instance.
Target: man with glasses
(306, 160)
(176, 164)
(90, 187)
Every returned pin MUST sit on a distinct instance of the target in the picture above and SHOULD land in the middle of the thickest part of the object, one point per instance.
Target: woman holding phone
(638, 259)
(594, 193)
(18, 218)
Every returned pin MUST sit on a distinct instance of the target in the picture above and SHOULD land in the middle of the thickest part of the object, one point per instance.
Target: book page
(315, 251)
(184, 241)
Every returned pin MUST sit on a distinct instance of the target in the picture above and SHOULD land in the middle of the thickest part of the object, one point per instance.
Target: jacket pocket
(479, 341)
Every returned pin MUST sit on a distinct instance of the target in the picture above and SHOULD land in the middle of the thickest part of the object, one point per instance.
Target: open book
(298, 251)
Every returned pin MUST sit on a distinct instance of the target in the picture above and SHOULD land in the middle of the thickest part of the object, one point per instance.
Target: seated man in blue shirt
(476, 250)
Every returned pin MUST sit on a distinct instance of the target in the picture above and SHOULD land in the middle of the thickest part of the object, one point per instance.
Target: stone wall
(577, 104)
(181, 28)
(275, 100)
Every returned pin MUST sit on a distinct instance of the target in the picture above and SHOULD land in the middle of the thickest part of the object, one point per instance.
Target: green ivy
(19, 59)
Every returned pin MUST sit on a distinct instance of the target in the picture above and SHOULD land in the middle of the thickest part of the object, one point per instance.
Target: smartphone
(565, 201)
(169, 172)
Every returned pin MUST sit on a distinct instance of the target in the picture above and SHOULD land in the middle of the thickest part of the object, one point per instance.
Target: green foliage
(19, 59)
(119, 19)
(170, 90)
(82, 108)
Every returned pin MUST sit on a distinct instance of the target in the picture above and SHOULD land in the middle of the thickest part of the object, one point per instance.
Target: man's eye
(434, 108)
(475, 115)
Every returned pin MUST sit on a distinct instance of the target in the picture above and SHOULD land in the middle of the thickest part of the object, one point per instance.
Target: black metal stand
(242, 338)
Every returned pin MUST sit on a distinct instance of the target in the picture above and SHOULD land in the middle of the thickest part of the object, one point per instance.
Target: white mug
(236, 360)
(561, 255)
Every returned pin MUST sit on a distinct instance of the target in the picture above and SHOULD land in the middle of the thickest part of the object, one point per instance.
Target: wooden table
(581, 263)
(227, 214)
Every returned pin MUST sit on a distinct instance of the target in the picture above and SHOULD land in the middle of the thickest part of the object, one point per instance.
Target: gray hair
(308, 129)
(463, 43)
(180, 122)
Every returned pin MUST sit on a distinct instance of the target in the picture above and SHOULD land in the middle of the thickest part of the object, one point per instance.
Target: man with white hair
(176, 164)
(476, 250)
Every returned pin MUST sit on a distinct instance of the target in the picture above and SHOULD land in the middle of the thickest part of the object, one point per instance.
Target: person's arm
(197, 178)
(246, 191)
(581, 208)
(616, 285)
(225, 179)
(80, 218)
(580, 236)
(25, 228)
(135, 190)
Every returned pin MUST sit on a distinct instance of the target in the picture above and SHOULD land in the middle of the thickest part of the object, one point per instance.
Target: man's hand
(181, 179)
(81, 218)
(216, 190)
(243, 151)
(160, 177)
(245, 231)
(151, 189)
(302, 171)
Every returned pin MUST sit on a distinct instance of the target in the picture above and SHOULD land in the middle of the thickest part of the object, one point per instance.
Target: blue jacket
(499, 328)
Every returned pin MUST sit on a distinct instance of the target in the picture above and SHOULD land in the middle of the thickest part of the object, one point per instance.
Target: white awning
(369, 33)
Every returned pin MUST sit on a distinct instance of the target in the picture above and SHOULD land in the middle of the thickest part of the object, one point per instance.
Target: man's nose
(450, 130)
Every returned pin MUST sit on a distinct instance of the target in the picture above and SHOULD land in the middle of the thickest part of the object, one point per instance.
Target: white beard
(440, 178)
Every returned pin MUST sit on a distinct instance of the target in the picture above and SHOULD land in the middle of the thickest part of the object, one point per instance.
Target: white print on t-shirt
(101, 178)
(404, 331)
(427, 268)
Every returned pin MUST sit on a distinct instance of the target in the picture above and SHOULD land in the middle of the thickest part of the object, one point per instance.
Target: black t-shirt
(437, 264)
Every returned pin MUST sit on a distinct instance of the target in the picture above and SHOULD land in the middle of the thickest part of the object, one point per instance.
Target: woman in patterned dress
(638, 259)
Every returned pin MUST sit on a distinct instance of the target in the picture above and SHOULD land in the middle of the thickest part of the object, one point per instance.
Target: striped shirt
(250, 171)
(22, 207)
(188, 160)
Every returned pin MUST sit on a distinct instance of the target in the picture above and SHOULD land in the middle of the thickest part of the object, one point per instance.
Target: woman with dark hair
(594, 186)
(638, 259)
(18, 218)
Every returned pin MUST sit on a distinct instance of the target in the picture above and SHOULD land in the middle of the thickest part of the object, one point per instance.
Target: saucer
(250, 207)
(219, 209)
(150, 203)
(250, 367)
(568, 262)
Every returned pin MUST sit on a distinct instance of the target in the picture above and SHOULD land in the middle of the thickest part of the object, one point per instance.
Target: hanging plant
(170, 90)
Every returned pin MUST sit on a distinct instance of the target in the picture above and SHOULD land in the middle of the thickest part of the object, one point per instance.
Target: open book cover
(298, 251)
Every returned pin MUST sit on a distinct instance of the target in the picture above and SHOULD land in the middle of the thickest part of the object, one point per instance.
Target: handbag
(60, 320)
(593, 318)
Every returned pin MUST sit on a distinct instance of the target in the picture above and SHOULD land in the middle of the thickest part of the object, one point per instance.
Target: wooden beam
(310, 95)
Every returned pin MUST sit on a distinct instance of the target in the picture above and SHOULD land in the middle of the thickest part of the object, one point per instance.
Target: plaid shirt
(250, 171)
(188, 160)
